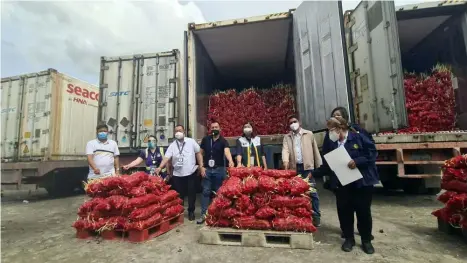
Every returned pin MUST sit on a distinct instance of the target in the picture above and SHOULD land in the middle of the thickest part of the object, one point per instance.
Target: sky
(71, 36)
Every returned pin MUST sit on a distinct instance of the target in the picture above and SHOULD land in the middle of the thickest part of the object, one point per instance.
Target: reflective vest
(251, 152)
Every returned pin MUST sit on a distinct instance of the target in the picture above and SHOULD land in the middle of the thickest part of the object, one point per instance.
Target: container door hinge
(103, 86)
(173, 80)
(105, 68)
(45, 131)
(353, 48)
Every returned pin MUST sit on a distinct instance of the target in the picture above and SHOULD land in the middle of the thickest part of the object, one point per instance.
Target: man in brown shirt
(300, 152)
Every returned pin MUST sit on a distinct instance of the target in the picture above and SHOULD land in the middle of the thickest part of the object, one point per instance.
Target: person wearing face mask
(300, 152)
(183, 153)
(250, 151)
(342, 112)
(215, 149)
(102, 154)
(356, 197)
(151, 156)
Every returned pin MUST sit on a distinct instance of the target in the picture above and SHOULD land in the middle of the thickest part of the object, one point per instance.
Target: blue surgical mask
(102, 136)
(151, 145)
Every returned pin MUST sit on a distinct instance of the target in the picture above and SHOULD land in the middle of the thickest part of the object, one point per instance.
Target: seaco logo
(118, 94)
(72, 89)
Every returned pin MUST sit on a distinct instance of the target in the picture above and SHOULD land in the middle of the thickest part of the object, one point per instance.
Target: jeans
(314, 196)
(212, 182)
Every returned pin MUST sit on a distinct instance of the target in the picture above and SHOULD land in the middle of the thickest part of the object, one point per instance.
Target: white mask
(179, 135)
(333, 136)
(247, 130)
(294, 126)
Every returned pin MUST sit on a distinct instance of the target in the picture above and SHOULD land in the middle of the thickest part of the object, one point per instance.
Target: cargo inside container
(434, 35)
(237, 57)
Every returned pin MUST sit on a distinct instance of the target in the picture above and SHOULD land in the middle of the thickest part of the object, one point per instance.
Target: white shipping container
(140, 97)
(47, 116)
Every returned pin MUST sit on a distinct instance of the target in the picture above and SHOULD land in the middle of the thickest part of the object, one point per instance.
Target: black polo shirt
(217, 153)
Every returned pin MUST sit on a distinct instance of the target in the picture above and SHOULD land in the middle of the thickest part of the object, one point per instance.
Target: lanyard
(153, 155)
(212, 144)
(249, 154)
(180, 151)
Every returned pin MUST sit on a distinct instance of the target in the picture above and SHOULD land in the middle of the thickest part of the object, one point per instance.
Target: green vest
(251, 150)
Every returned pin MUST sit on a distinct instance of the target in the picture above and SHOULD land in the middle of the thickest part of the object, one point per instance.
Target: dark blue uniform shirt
(361, 150)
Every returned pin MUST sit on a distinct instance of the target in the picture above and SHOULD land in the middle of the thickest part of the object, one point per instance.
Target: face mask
(333, 136)
(215, 132)
(248, 131)
(179, 135)
(294, 126)
(151, 145)
(102, 135)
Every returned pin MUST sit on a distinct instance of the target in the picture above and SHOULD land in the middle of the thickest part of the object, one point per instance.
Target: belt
(215, 167)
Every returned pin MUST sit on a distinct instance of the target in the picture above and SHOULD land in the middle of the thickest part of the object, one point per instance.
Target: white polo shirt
(186, 152)
(104, 157)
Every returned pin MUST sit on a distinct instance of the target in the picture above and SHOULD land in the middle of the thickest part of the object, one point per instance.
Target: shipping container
(305, 47)
(47, 119)
(47, 116)
(141, 96)
(356, 61)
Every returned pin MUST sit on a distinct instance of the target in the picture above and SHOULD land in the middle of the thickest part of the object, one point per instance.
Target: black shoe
(201, 220)
(372, 237)
(191, 216)
(368, 247)
(317, 222)
(348, 245)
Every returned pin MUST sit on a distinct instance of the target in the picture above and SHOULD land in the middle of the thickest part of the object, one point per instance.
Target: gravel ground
(39, 230)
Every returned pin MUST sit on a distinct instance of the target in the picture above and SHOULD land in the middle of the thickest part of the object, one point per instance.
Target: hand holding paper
(340, 162)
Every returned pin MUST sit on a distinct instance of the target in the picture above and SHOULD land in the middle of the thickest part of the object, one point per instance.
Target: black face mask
(215, 132)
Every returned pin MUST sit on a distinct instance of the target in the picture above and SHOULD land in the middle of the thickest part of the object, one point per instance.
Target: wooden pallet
(450, 230)
(255, 238)
(134, 236)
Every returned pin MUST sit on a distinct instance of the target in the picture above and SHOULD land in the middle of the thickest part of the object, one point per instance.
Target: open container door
(376, 74)
(320, 61)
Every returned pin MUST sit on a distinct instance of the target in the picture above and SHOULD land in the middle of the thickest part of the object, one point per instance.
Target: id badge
(211, 163)
(252, 161)
(179, 161)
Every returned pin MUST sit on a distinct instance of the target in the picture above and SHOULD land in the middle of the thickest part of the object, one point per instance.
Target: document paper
(338, 161)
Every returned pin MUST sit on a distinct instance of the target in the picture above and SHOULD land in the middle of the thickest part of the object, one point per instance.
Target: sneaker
(191, 216)
(201, 220)
(348, 245)
(367, 247)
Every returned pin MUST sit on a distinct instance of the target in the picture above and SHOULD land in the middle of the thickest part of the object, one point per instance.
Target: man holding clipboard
(349, 159)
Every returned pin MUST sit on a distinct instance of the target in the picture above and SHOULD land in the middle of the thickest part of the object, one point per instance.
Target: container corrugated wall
(47, 116)
(140, 97)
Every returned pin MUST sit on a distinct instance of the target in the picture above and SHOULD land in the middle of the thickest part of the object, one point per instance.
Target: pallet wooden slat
(255, 238)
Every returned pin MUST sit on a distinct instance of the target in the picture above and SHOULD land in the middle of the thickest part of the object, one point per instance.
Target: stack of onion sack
(268, 109)
(454, 181)
(263, 200)
(430, 101)
(129, 202)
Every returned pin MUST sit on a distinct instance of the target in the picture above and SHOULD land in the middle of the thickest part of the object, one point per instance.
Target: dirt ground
(40, 231)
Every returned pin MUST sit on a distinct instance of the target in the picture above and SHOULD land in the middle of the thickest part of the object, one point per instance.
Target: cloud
(72, 36)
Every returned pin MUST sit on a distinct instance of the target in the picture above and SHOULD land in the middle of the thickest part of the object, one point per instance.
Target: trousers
(186, 187)
(211, 183)
(349, 201)
(314, 196)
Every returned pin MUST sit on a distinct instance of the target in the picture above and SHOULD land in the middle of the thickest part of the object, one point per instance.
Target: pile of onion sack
(128, 202)
(252, 198)
(430, 101)
(454, 181)
(267, 109)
